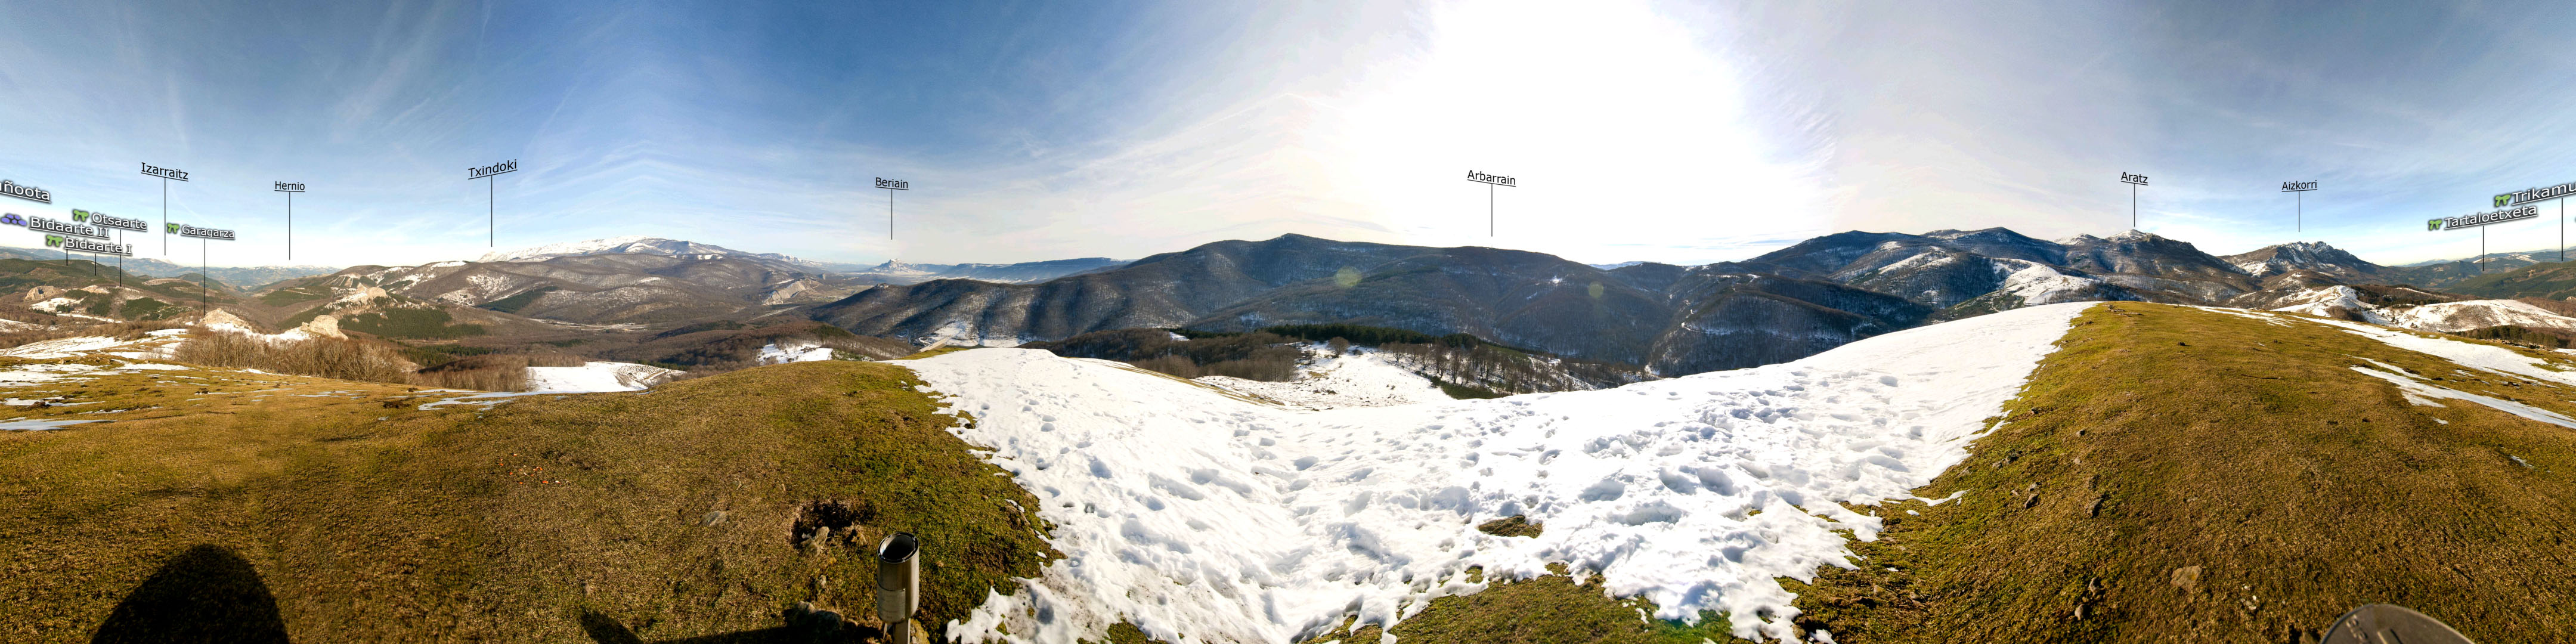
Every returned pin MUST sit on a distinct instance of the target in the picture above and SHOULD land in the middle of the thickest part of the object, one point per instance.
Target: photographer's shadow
(204, 594)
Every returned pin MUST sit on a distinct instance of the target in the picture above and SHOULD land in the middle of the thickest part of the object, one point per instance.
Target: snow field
(1199, 516)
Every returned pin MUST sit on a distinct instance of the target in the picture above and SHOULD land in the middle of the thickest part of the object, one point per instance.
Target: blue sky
(1679, 132)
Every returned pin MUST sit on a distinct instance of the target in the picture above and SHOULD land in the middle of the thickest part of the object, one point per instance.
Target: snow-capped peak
(627, 244)
(549, 251)
(900, 267)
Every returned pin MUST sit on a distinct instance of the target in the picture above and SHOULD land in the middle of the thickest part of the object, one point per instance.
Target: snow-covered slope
(2323, 302)
(901, 272)
(2310, 256)
(625, 244)
(1360, 378)
(1201, 516)
(2450, 317)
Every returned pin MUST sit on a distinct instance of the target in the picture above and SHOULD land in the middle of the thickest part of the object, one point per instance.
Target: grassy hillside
(2177, 475)
(2171, 474)
(2180, 475)
(342, 511)
(19, 275)
(2554, 280)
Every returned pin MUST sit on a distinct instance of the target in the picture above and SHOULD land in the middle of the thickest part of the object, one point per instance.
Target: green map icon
(2433, 224)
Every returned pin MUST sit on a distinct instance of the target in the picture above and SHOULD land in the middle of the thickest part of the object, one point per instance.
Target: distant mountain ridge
(630, 244)
(252, 276)
(1783, 305)
(899, 272)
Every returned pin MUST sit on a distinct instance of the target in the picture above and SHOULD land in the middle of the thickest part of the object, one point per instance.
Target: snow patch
(2484, 357)
(1188, 511)
(61, 348)
(596, 376)
(793, 351)
(2419, 393)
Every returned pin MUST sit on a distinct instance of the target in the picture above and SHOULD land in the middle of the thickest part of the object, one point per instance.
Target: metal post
(2133, 206)
(491, 222)
(1489, 210)
(898, 585)
(2301, 222)
(290, 226)
(165, 216)
(889, 214)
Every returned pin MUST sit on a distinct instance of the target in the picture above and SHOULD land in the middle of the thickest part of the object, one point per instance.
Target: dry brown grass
(2174, 475)
(345, 359)
(492, 372)
(2561, 307)
(548, 518)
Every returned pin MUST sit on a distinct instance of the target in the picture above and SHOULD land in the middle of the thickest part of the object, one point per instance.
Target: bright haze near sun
(1674, 132)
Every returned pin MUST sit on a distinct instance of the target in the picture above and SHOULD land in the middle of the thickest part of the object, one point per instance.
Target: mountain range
(1815, 295)
(254, 276)
(1780, 306)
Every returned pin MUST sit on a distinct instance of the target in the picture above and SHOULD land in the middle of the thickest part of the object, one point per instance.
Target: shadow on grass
(204, 594)
(605, 630)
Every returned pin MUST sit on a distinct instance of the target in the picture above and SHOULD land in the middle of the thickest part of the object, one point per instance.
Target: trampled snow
(1200, 516)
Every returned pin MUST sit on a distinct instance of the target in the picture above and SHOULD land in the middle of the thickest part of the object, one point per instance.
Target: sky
(1637, 131)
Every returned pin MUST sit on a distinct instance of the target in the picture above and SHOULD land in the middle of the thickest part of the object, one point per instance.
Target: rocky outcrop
(323, 326)
(219, 318)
